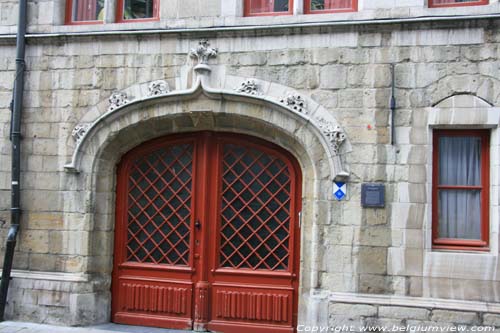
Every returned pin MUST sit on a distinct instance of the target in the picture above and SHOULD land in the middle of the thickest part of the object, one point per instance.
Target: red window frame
(436, 4)
(454, 243)
(307, 8)
(69, 16)
(120, 10)
(248, 13)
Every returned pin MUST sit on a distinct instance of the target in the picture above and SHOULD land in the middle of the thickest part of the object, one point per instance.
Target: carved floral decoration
(158, 88)
(332, 132)
(79, 131)
(116, 100)
(249, 87)
(203, 52)
(295, 102)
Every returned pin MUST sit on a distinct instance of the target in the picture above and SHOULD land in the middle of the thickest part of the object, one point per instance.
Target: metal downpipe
(15, 137)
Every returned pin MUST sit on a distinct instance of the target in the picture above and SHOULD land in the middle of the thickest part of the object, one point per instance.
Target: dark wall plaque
(373, 195)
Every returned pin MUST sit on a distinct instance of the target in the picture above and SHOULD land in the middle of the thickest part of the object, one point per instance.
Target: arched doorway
(207, 234)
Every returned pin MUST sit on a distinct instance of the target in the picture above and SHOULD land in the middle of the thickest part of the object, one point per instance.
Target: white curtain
(460, 210)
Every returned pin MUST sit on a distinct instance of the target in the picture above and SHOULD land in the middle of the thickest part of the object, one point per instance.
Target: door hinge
(300, 219)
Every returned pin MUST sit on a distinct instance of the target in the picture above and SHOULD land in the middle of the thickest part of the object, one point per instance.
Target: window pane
(460, 214)
(137, 9)
(330, 4)
(268, 6)
(88, 10)
(460, 160)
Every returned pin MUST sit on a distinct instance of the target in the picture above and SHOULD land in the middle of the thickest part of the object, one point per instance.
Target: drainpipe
(393, 105)
(15, 138)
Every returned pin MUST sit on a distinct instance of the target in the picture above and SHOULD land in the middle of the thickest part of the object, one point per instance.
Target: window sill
(330, 11)
(149, 19)
(76, 23)
(459, 4)
(268, 14)
(461, 249)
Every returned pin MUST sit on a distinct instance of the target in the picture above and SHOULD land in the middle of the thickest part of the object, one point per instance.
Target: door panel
(154, 217)
(207, 235)
(255, 212)
(253, 270)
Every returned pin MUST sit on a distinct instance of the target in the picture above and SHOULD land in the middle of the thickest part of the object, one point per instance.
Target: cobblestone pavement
(23, 327)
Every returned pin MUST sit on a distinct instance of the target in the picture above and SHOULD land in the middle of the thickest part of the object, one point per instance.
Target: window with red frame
(455, 3)
(143, 10)
(268, 7)
(460, 189)
(84, 11)
(330, 6)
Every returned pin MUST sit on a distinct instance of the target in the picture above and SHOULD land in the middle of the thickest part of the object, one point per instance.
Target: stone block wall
(48, 16)
(347, 317)
(345, 69)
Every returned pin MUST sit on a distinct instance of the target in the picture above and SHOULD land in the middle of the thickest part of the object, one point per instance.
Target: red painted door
(207, 235)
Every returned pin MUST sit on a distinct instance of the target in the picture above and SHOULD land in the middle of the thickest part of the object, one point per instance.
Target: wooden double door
(207, 235)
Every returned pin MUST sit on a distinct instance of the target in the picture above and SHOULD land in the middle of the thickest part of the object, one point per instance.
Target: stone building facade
(318, 86)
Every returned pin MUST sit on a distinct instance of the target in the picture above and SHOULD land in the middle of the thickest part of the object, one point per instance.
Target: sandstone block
(375, 236)
(352, 310)
(53, 298)
(456, 317)
(333, 77)
(372, 260)
(491, 319)
(403, 312)
(34, 241)
(374, 284)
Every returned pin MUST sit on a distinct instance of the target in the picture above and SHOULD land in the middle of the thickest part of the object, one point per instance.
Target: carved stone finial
(117, 99)
(79, 131)
(157, 88)
(295, 102)
(332, 132)
(249, 87)
(202, 53)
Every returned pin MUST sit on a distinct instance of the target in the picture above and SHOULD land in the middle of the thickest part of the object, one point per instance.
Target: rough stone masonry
(359, 266)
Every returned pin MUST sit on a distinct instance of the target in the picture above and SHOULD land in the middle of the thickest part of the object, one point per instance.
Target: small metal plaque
(373, 195)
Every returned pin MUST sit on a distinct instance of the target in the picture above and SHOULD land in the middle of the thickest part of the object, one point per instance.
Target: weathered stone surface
(372, 260)
(333, 77)
(403, 312)
(374, 284)
(456, 317)
(68, 220)
(491, 319)
(352, 310)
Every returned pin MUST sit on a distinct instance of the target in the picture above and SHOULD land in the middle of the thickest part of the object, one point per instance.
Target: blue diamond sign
(339, 190)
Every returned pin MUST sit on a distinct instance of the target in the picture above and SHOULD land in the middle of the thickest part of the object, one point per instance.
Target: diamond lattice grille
(159, 206)
(255, 226)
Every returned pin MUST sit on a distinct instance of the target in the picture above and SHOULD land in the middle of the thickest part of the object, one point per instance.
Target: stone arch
(481, 86)
(463, 101)
(116, 131)
(278, 98)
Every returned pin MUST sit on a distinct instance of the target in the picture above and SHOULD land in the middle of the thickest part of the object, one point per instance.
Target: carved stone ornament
(332, 132)
(295, 102)
(116, 100)
(203, 52)
(79, 131)
(157, 88)
(249, 87)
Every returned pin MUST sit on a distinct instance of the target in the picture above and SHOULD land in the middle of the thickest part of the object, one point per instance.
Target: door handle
(197, 224)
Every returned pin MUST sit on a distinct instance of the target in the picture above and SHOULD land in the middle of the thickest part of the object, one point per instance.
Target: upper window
(330, 6)
(460, 196)
(137, 10)
(84, 11)
(454, 3)
(268, 7)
